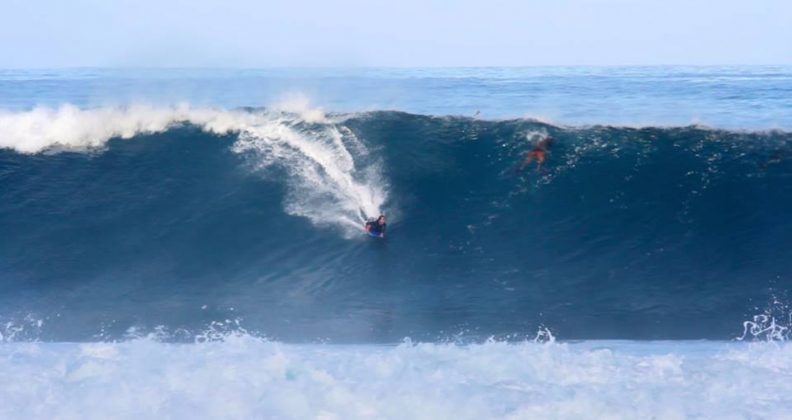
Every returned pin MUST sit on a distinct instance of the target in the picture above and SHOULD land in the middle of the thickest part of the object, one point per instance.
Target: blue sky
(247, 33)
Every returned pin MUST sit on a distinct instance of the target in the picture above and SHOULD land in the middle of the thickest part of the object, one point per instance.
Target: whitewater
(242, 377)
(187, 244)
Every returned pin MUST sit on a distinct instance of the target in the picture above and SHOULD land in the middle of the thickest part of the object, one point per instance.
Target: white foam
(332, 177)
(298, 103)
(243, 377)
(72, 128)
(327, 184)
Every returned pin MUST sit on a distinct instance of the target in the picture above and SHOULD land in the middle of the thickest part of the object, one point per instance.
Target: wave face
(114, 219)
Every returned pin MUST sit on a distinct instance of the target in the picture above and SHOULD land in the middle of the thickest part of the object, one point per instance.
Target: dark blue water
(652, 233)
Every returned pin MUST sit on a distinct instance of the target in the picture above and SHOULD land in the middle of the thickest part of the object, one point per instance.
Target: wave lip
(69, 127)
(73, 128)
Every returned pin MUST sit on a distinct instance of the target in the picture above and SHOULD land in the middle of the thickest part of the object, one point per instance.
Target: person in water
(539, 153)
(377, 227)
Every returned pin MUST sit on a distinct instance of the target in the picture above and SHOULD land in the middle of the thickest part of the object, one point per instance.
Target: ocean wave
(631, 233)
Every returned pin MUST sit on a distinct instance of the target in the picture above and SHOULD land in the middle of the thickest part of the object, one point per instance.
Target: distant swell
(139, 217)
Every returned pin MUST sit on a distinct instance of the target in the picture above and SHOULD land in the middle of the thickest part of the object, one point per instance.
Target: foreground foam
(244, 377)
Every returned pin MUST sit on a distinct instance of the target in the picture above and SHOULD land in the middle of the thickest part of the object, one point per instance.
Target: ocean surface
(187, 243)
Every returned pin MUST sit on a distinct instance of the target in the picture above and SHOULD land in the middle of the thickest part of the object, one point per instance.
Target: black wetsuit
(376, 228)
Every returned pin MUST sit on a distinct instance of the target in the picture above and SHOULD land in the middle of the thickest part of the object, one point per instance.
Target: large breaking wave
(141, 216)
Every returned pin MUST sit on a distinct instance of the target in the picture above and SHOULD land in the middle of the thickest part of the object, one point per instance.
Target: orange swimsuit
(538, 154)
